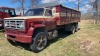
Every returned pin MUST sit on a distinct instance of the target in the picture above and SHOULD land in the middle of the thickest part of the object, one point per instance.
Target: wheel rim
(76, 29)
(73, 30)
(41, 42)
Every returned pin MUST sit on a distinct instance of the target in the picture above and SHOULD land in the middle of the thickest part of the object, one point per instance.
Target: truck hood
(26, 17)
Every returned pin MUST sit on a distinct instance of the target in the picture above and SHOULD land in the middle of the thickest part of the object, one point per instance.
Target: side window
(6, 10)
(12, 12)
(48, 12)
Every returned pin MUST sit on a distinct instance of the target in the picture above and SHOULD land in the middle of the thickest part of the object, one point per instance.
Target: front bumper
(19, 38)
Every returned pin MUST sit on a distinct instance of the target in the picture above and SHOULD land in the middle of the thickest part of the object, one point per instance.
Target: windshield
(35, 12)
(11, 12)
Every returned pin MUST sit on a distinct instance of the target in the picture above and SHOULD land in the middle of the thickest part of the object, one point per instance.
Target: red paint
(49, 23)
(6, 7)
(20, 38)
(4, 14)
(30, 31)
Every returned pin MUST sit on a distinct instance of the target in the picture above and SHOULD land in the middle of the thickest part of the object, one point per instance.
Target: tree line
(93, 14)
(23, 2)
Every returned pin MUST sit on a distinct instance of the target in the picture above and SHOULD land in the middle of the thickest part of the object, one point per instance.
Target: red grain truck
(6, 12)
(41, 24)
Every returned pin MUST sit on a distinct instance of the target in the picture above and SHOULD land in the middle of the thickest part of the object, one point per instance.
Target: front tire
(39, 42)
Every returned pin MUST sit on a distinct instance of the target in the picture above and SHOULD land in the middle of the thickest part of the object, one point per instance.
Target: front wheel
(39, 42)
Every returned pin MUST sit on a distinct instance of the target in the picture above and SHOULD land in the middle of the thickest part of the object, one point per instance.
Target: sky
(73, 4)
(67, 3)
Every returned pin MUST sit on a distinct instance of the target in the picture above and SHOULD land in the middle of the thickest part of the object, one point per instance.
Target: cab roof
(6, 7)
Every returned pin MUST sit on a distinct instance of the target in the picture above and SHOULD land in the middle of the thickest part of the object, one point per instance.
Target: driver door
(49, 20)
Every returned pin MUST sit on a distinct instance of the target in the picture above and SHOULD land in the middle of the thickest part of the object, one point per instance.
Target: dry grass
(85, 42)
(1, 35)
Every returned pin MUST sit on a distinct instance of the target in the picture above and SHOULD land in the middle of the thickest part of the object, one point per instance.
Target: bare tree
(34, 2)
(78, 4)
(22, 2)
(96, 8)
(37, 2)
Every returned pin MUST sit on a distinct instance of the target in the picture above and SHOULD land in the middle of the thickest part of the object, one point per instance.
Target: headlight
(6, 23)
(21, 26)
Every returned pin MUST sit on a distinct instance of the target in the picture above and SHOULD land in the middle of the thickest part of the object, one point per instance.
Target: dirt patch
(2, 38)
(86, 45)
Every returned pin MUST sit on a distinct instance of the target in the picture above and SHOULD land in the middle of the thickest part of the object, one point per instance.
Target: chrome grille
(14, 24)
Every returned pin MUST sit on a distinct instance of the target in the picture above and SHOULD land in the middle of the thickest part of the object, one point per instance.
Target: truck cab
(4, 13)
(45, 15)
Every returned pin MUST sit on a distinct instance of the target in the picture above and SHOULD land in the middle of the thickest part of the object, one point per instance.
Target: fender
(31, 29)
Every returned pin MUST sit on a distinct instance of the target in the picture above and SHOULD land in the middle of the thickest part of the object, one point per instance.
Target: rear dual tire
(74, 28)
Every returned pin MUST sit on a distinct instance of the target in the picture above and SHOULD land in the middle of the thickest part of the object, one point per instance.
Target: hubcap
(41, 42)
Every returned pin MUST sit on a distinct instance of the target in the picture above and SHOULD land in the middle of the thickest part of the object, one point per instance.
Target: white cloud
(62, 1)
(85, 8)
(88, 6)
(71, 0)
(92, 0)
(45, 1)
(48, 1)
